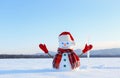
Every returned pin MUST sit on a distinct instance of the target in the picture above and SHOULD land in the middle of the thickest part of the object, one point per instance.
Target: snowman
(66, 58)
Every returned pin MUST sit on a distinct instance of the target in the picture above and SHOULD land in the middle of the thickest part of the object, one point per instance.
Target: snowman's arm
(81, 54)
(44, 49)
(50, 55)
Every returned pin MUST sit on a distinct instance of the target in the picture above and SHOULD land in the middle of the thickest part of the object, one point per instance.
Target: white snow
(42, 68)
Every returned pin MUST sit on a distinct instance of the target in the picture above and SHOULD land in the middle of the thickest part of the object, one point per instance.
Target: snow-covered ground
(42, 68)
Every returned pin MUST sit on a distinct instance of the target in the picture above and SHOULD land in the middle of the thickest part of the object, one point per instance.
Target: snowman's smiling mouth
(65, 47)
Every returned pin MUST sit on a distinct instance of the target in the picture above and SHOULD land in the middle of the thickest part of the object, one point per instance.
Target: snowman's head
(66, 40)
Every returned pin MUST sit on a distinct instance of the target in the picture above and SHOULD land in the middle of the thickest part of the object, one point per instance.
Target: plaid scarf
(73, 58)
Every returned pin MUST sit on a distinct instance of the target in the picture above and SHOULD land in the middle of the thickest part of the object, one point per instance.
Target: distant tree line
(4, 56)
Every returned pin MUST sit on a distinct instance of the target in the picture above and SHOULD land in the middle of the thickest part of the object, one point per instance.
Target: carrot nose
(64, 44)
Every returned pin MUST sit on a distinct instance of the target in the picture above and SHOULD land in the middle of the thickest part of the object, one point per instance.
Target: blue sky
(26, 23)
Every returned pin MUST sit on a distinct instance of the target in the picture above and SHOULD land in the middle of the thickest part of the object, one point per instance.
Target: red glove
(43, 47)
(87, 48)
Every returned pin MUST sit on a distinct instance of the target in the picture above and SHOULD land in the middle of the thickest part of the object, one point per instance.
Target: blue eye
(67, 43)
(62, 43)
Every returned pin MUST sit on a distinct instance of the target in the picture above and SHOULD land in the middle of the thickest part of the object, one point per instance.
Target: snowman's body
(65, 63)
(66, 59)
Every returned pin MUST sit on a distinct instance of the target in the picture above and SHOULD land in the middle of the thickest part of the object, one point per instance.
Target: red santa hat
(66, 36)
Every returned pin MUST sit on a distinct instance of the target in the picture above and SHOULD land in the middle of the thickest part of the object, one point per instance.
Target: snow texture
(42, 68)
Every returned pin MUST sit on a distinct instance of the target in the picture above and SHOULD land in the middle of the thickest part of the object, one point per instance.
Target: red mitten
(87, 48)
(43, 47)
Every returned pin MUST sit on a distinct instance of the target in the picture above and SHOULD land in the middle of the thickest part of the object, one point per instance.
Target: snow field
(42, 68)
